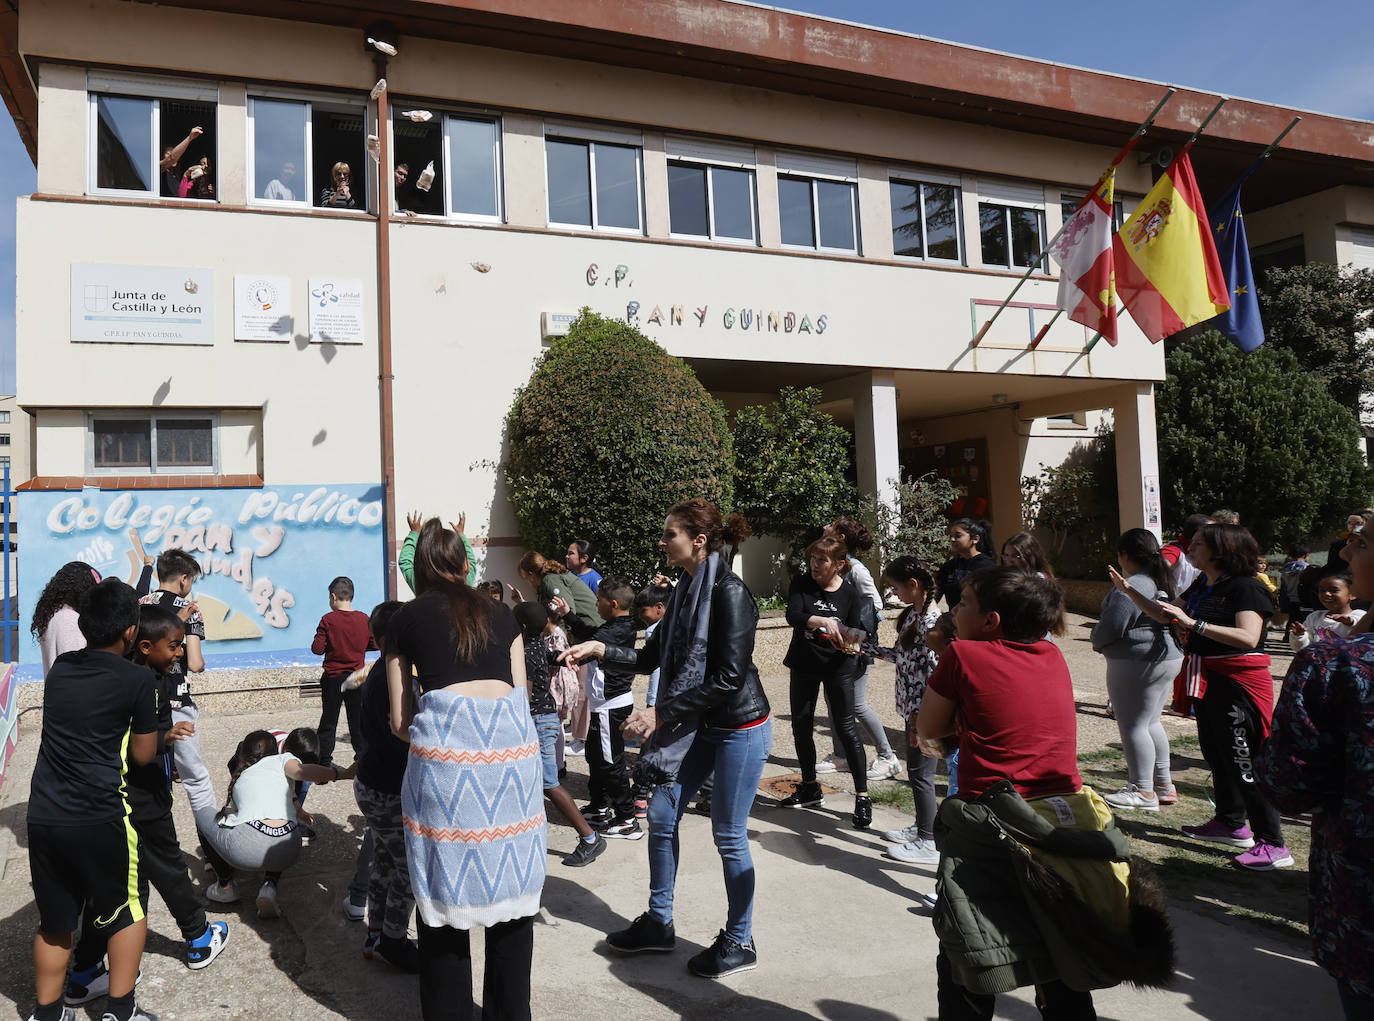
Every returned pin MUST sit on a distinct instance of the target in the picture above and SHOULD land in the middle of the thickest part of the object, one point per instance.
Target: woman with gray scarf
(711, 714)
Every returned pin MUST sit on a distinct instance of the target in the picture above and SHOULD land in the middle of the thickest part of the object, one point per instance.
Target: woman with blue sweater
(1142, 661)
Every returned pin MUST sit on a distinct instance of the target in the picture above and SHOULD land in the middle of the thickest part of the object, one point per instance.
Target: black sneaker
(402, 954)
(724, 957)
(308, 835)
(863, 811)
(598, 815)
(83, 987)
(703, 805)
(644, 936)
(807, 795)
(623, 829)
(586, 852)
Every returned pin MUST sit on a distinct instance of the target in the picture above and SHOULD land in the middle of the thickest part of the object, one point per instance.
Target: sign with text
(336, 311)
(142, 304)
(267, 556)
(262, 308)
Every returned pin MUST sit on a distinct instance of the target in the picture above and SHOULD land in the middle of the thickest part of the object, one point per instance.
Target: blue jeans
(548, 726)
(738, 757)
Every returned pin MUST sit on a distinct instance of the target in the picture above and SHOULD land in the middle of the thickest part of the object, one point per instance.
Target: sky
(1313, 57)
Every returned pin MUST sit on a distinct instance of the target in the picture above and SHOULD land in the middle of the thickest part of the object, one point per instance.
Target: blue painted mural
(267, 554)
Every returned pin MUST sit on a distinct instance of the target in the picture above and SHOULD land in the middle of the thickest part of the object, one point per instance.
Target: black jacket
(618, 631)
(731, 695)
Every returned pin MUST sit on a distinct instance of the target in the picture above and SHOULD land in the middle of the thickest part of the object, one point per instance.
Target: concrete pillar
(875, 435)
(1137, 458)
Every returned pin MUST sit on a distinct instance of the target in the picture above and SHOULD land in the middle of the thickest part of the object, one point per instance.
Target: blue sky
(1316, 58)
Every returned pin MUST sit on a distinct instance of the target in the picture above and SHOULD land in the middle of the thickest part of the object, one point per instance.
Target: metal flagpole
(1130, 144)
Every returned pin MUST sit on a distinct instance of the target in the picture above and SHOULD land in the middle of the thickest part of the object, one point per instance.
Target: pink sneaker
(1167, 795)
(1263, 857)
(1217, 832)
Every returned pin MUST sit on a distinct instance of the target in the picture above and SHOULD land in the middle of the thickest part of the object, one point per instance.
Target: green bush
(610, 432)
(1254, 433)
(917, 526)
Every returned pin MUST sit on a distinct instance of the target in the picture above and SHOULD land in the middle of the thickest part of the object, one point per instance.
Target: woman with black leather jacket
(711, 715)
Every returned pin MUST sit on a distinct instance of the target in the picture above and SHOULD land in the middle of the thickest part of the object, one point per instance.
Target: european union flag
(1241, 323)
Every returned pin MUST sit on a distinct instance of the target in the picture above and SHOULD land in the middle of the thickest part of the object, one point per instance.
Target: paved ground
(842, 932)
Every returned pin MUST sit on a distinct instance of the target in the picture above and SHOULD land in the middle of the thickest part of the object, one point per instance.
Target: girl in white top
(1336, 619)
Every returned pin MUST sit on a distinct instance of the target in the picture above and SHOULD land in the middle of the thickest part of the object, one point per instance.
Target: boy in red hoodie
(342, 638)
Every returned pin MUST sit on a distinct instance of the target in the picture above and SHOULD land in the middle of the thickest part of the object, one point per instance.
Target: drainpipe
(384, 375)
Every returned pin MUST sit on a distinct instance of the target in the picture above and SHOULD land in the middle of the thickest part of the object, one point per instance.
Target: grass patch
(1198, 874)
(894, 794)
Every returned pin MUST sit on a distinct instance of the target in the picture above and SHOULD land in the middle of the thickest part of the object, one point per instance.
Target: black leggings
(804, 690)
(1231, 734)
(446, 972)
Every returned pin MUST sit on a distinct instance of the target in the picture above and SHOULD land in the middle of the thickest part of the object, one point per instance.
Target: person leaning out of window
(339, 194)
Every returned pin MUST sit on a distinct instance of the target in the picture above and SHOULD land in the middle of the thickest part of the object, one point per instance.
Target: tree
(918, 524)
(1323, 314)
(1074, 505)
(609, 433)
(791, 466)
(1255, 433)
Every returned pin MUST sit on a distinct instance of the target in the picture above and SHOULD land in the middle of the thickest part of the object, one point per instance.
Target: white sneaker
(222, 893)
(916, 852)
(575, 748)
(1131, 797)
(903, 836)
(353, 912)
(833, 764)
(885, 767)
(267, 901)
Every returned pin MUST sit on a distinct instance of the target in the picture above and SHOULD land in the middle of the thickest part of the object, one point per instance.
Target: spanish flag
(1167, 271)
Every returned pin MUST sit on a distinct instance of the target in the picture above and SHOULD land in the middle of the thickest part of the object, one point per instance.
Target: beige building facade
(201, 353)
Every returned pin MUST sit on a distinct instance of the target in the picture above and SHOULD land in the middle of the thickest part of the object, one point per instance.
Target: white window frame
(153, 89)
(151, 417)
(499, 168)
(369, 174)
(921, 179)
(726, 156)
(809, 167)
(590, 137)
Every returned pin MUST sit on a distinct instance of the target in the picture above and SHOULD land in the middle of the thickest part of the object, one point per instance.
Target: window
(711, 191)
(121, 443)
(818, 202)
(152, 138)
(4, 439)
(465, 156)
(925, 220)
(1068, 205)
(1011, 223)
(595, 184)
(308, 152)
(4, 416)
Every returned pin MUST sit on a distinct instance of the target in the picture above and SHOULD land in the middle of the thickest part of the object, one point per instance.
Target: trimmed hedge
(609, 433)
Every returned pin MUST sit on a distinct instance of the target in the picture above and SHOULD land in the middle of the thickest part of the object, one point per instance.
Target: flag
(1241, 322)
(1167, 272)
(1084, 254)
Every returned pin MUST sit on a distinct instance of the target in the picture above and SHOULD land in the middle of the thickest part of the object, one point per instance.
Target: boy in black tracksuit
(611, 808)
(149, 793)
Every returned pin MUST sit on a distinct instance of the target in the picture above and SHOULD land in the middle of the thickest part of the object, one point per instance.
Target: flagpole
(1202, 127)
(1040, 335)
(1130, 144)
(1282, 135)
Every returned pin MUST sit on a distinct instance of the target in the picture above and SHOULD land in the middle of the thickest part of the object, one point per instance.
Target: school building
(241, 331)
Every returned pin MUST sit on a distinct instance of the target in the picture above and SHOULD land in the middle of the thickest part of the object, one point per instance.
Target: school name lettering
(743, 318)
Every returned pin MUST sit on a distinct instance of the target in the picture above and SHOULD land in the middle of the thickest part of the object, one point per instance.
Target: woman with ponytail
(1142, 661)
(711, 715)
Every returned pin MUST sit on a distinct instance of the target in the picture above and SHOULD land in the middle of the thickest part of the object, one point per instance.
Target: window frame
(592, 137)
(707, 155)
(1042, 266)
(151, 417)
(800, 166)
(498, 159)
(154, 90)
(369, 175)
(921, 179)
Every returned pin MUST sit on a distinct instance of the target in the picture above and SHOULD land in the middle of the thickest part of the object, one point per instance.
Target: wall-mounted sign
(336, 311)
(142, 304)
(267, 557)
(262, 308)
(556, 324)
(1154, 518)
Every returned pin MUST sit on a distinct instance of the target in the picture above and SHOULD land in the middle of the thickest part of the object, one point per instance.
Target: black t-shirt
(812, 654)
(1219, 604)
(150, 786)
(381, 754)
(92, 702)
(537, 678)
(949, 580)
(422, 631)
(179, 685)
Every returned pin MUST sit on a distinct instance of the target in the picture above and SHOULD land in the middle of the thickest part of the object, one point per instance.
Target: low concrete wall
(1084, 596)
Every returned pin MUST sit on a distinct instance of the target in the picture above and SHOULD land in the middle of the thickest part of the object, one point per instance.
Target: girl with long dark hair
(1142, 661)
(54, 615)
(472, 799)
(969, 551)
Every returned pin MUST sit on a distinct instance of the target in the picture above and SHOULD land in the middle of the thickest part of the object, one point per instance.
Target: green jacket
(405, 560)
(1033, 892)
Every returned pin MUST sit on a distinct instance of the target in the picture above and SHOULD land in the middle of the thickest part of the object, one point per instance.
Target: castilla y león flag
(1167, 272)
(1084, 255)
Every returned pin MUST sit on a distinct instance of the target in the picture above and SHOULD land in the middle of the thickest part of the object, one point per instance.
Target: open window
(306, 152)
(465, 154)
(152, 138)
